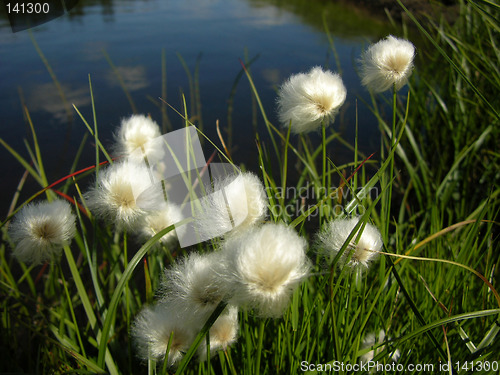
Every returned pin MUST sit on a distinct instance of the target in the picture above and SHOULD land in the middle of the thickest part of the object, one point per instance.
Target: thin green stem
(387, 216)
(260, 342)
(72, 311)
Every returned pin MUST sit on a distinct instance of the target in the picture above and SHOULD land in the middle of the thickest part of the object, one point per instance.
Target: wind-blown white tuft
(114, 198)
(40, 230)
(151, 332)
(236, 204)
(371, 340)
(223, 333)
(264, 266)
(193, 287)
(156, 221)
(134, 132)
(361, 252)
(309, 99)
(387, 63)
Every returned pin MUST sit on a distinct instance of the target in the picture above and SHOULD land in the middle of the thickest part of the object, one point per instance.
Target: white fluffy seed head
(223, 333)
(151, 333)
(360, 252)
(225, 329)
(387, 63)
(236, 204)
(156, 221)
(114, 198)
(194, 286)
(135, 132)
(308, 99)
(370, 340)
(264, 266)
(40, 230)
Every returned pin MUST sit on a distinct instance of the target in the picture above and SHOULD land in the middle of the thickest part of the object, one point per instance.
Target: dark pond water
(133, 40)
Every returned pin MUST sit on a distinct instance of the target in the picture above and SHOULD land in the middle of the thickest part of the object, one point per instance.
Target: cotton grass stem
(260, 342)
(285, 168)
(96, 133)
(391, 168)
(323, 144)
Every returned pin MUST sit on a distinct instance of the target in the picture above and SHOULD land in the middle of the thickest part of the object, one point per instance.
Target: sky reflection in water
(133, 34)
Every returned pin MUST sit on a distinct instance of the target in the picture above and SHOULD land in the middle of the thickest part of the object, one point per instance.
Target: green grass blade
(115, 298)
(199, 338)
(450, 61)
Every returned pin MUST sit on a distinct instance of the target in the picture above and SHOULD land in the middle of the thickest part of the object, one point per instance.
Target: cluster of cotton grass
(310, 100)
(258, 265)
(112, 198)
(40, 230)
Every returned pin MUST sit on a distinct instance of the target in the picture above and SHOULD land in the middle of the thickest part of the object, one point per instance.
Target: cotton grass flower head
(155, 221)
(370, 340)
(114, 197)
(310, 99)
(194, 287)
(236, 203)
(40, 230)
(223, 333)
(359, 252)
(387, 63)
(264, 266)
(151, 333)
(135, 132)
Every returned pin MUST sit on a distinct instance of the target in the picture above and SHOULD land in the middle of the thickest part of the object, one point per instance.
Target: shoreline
(448, 9)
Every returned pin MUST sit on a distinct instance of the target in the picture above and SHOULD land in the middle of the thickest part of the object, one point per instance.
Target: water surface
(122, 43)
